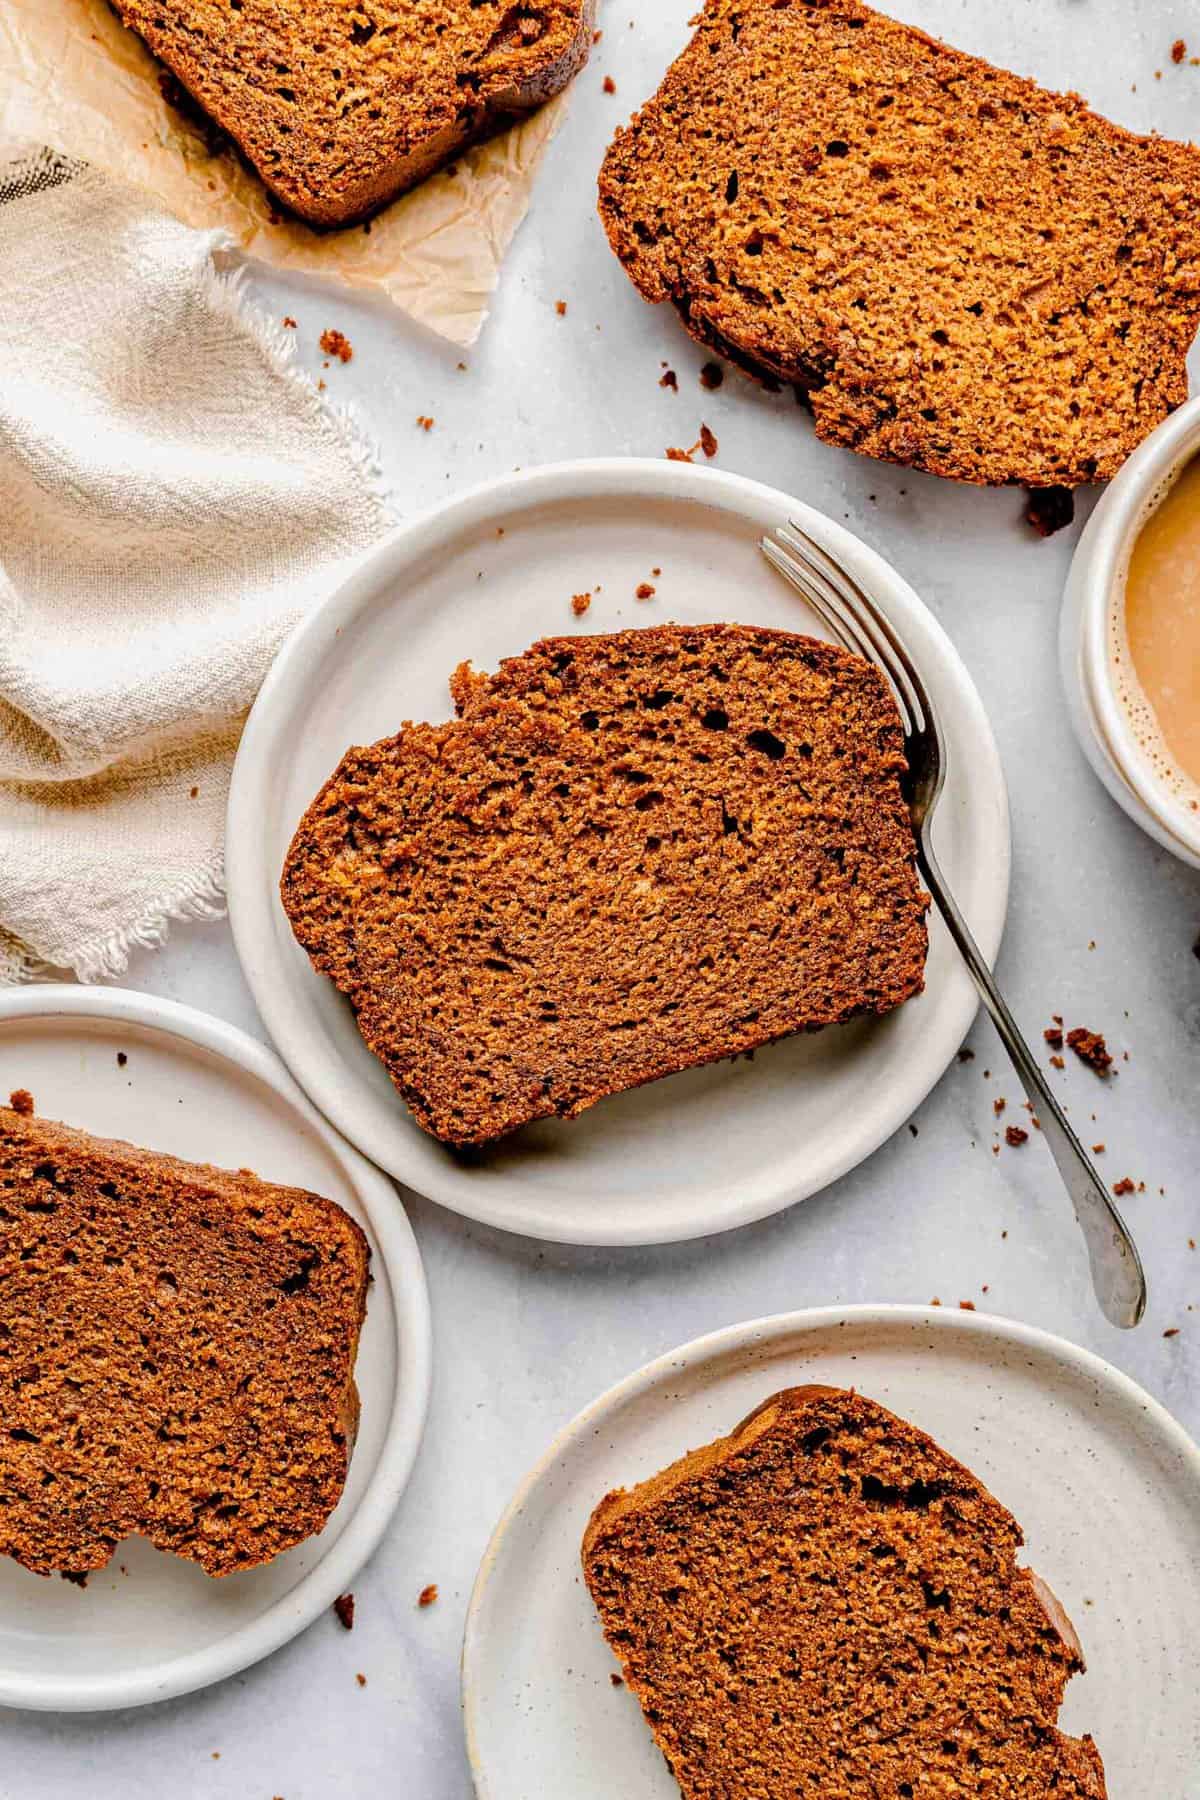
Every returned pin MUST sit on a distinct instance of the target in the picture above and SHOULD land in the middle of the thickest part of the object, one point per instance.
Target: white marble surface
(526, 1334)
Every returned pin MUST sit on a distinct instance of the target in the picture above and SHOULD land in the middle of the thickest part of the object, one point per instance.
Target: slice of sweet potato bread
(177, 1349)
(824, 1603)
(964, 272)
(630, 854)
(340, 106)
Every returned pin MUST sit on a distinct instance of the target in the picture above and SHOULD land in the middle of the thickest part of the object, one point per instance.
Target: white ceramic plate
(151, 1626)
(701, 1151)
(1104, 1482)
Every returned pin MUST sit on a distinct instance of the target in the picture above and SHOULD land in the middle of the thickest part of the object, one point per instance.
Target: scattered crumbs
(999, 1105)
(21, 1101)
(336, 343)
(1172, 1331)
(580, 604)
(711, 376)
(708, 442)
(289, 324)
(1053, 1036)
(1004, 1234)
(1124, 1186)
(361, 1680)
(912, 1128)
(669, 379)
(1014, 1136)
(1091, 943)
(1089, 1047)
(1098, 1149)
(216, 1756)
(321, 385)
(122, 1059)
(995, 1149)
(1049, 509)
(461, 366)
(425, 422)
(610, 86)
(193, 793)
(965, 1055)
(984, 1288)
(1178, 50)
(1191, 1243)
(616, 1681)
(596, 36)
(987, 1074)
(560, 307)
(935, 1301)
(343, 1606)
(675, 454)
(644, 591)
(428, 1595)
(1057, 1062)
(656, 572)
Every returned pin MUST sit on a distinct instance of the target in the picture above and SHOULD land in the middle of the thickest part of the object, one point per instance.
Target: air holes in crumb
(768, 743)
(837, 147)
(590, 721)
(715, 719)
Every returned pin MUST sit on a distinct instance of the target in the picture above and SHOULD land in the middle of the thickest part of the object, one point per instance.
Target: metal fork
(859, 624)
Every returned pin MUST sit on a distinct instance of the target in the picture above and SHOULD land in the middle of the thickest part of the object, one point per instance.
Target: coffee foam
(1129, 691)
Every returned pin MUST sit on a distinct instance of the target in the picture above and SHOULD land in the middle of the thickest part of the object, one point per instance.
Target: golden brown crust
(627, 856)
(825, 1601)
(177, 1348)
(963, 272)
(341, 108)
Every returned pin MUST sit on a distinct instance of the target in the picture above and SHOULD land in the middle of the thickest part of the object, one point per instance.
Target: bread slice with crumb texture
(342, 107)
(629, 855)
(824, 1602)
(962, 272)
(177, 1347)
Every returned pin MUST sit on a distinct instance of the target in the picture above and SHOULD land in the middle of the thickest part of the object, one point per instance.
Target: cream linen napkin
(173, 496)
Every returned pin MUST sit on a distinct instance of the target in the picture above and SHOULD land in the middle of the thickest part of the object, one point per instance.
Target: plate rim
(253, 891)
(400, 1256)
(764, 1330)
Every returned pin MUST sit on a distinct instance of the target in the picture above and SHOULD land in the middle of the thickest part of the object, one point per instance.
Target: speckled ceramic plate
(1104, 1482)
(151, 1626)
(482, 579)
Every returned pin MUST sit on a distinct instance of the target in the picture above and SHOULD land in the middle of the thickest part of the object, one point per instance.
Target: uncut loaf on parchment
(628, 855)
(826, 1604)
(961, 271)
(177, 1348)
(340, 107)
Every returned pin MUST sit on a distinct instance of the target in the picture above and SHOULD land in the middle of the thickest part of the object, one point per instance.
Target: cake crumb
(21, 1101)
(1049, 509)
(610, 86)
(966, 1306)
(560, 307)
(428, 1595)
(336, 343)
(343, 1606)
(1015, 1137)
(122, 1059)
(669, 379)
(675, 454)
(999, 1105)
(1178, 50)
(361, 1680)
(289, 324)
(1089, 1047)
(425, 422)
(1124, 1186)
(708, 442)
(1057, 1062)
(644, 591)
(580, 604)
(1053, 1036)
(965, 1055)
(616, 1681)
(711, 376)
(1172, 1331)
(1098, 1149)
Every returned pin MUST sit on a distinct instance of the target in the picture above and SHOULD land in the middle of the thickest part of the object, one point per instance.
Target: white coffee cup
(1092, 609)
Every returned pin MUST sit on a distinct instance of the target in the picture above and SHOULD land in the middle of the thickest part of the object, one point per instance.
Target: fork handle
(1117, 1273)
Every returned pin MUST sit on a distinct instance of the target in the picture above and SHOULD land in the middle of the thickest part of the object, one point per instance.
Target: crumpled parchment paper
(72, 76)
